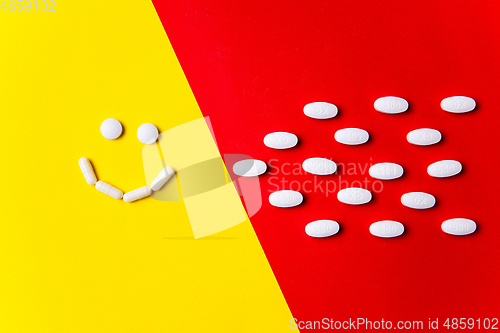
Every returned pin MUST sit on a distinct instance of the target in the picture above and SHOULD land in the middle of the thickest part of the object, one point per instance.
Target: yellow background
(71, 258)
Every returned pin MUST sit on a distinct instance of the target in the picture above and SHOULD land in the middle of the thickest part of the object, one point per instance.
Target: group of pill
(147, 134)
(384, 171)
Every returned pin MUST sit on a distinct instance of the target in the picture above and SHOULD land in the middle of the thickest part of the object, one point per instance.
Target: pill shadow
(442, 141)
(124, 131)
(340, 170)
(340, 232)
(477, 108)
(159, 134)
(436, 203)
(462, 172)
(402, 177)
(93, 168)
(406, 233)
(340, 115)
(299, 142)
(476, 232)
(373, 200)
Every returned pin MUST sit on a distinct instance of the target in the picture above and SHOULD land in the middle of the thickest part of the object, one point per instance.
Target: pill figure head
(111, 128)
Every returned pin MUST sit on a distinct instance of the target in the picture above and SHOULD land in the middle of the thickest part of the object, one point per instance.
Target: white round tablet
(111, 128)
(147, 133)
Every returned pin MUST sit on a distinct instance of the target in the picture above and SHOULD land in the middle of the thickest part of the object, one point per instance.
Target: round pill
(111, 128)
(285, 198)
(147, 133)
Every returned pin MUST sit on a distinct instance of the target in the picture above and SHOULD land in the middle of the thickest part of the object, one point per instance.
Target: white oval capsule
(386, 171)
(137, 194)
(446, 168)
(249, 168)
(458, 226)
(319, 166)
(109, 190)
(418, 200)
(87, 170)
(286, 198)
(391, 104)
(281, 140)
(162, 178)
(322, 228)
(320, 110)
(458, 104)
(387, 229)
(354, 196)
(424, 136)
(351, 136)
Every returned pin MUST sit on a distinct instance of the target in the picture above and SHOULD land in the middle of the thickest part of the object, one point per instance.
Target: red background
(253, 65)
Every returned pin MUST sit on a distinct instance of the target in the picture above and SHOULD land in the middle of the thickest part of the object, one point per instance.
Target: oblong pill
(285, 198)
(319, 166)
(458, 104)
(445, 168)
(386, 171)
(391, 104)
(322, 228)
(137, 194)
(281, 140)
(249, 168)
(354, 196)
(418, 200)
(458, 227)
(387, 229)
(351, 136)
(87, 170)
(320, 110)
(424, 136)
(109, 190)
(162, 178)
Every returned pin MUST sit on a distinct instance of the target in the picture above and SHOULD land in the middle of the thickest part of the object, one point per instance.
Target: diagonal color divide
(212, 203)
